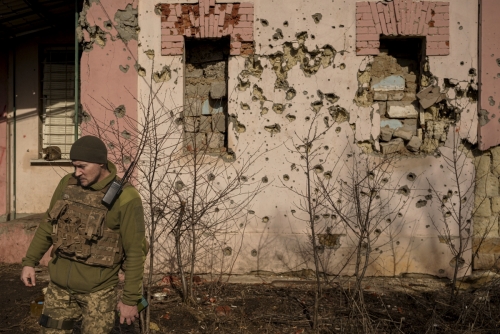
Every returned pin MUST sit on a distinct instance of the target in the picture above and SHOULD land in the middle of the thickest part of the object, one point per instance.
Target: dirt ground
(410, 304)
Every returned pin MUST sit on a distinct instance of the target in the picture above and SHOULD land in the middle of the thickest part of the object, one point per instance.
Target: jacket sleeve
(132, 230)
(43, 240)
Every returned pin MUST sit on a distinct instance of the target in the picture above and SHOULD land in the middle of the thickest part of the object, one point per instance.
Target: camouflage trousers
(96, 310)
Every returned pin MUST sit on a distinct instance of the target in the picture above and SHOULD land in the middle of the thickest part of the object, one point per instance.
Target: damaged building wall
(305, 64)
(4, 100)
(109, 67)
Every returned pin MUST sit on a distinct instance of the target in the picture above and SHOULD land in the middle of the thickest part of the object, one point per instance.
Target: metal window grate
(58, 87)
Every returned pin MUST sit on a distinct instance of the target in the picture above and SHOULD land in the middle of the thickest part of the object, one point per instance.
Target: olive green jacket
(127, 217)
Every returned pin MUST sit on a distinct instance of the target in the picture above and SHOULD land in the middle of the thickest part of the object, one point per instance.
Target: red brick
(374, 44)
(359, 16)
(172, 38)
(393, 18)
(428, 17)
(169, 32)
(432, 31)
(437, 52)
(444, 45)
(165, 25)
(221, 19)
(250, 17)
(444, 31)
(219, 31)
(366, 30)
(197, 21)
(246, 5)
(365, 23)
(178, 45)
(373, 7)
(191, 18)
(212, 3)
(245, 10)
(364, 9)
(367, 52)
(441, 23)
(383, 24)
(442, 9)
(361, 44)
(403, 20)
(416, 19)
(235, 52)
(440, 17)
(229, 8)
(387, 18)
(172, 52)
(378, 28)
(166, 45)
(432, 45)
(423, 14)
(243, 24)
(395, 5)
(206, 26)
(172, 18)
(368, 37)
(211, 19)
(438, 38)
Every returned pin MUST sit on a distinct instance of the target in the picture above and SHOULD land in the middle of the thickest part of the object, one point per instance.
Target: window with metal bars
(58, 90)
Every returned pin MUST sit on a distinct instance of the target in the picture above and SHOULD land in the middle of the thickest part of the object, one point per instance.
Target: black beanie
(89, 149)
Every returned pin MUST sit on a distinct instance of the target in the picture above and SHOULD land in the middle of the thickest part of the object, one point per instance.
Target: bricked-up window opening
(396, 75)
(205, 94)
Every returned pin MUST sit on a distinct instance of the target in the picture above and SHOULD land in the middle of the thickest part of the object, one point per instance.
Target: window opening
(205, 94)
(58, 89)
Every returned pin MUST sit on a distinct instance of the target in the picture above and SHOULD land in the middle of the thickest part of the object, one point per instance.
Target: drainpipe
(14, 177)
(77, 72)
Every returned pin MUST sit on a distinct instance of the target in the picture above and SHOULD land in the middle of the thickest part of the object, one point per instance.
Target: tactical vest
(79, 231)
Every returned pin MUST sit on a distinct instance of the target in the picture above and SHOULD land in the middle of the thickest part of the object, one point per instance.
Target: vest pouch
(94, 225)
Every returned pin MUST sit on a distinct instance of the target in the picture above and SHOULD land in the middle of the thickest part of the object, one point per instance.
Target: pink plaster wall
(4, 78)
(15, 238)
(489, 74)
(103, 85)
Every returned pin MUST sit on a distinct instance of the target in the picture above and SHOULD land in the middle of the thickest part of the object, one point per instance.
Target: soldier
(90, 243)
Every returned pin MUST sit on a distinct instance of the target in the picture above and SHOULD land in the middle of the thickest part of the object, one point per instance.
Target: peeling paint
(127, 23)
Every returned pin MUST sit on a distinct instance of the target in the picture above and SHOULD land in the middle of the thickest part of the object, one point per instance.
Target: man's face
(88, 173)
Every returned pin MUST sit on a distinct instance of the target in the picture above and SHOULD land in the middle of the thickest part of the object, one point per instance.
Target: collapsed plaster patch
(150, 53)
(309, 61)
(290, 94)
(163, 75)
(140, 70)
(120, 111)
(127, 23)
(124, 69)
(273, 129)
(338, 114)
(317, 17)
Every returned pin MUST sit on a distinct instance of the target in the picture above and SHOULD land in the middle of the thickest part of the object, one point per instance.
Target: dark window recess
(395, 81)
(205, 94)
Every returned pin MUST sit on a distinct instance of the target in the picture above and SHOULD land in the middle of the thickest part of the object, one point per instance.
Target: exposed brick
(393, 18)
(428, 17)
(373, 8)
(359, 16)
(361, 44)
(396, 10)
(167, 25)
(383, 24)
(245, 11)
(218, 31)
(172, 18)
(423, 14)
(206, 24)
(444, 30)
(416, 19)
(432, 45)
(441, 17)
(387, 18)
(229, 8)
(172, 52)
(367, 52)
(378, 28)
(441, 23)
(403, 20)
(364, 23)
(438, 38)
(364, 9)
(235, 52)
(374, 44)
(246, 5)
(211, 19)
(177, 45)
(197, 21)
(172, 38)
(411, 20)
(366, 30)
(212, 3)
(221, 19)
(243, 24)
(432, 31)
(250, 17)
(367, 37)
(437, 52)
(444, 45)
(187, 32)
(166, 45)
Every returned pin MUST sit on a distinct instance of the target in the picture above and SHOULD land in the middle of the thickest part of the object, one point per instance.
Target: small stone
(215, 140)
(429, 96)
(205, 124)
(401, 110)
(414, 144)
(191, 124)
(495, 152)
(403, 133)
(398, 96)
(393, 146)
(392, 123)
(192, 107)
(386, 134)
(380, 96)
(218, 90)
(393, 82)
(219, 122)
(482, 207)
(195, 73)
(382, 108)
(495, 204)
(411, 78)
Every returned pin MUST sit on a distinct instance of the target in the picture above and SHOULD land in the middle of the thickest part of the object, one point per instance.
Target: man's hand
(127, 313)
(28, 276)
